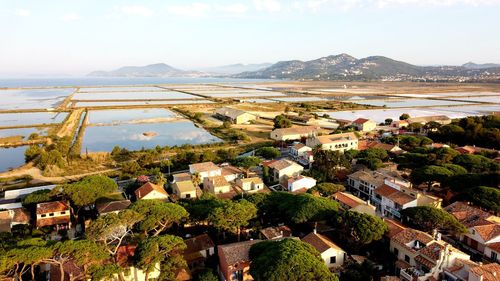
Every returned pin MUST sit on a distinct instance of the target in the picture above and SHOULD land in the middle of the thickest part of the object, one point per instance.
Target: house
(216, 185)
(297, 183)
(470, 271)
(231, 173)
(275, 232)
(13, 217)
(151, 191)
(468, 149)
(235, 116)
(298, 150)
(234, 261)
(492, 252)
(390, 148)
(56, 214)
(362, 183)
(421, 257)
(352, 203)
(400, 124)
(336, 142)
(294, 133)
(441, 119)
(483, 228)
(205, 169)
(198, 249)
(112, 207)
(364, 125)
(332, 255)
(181, 177)
(184, 189)
(125, 259)
(281, 170)
(250, 184)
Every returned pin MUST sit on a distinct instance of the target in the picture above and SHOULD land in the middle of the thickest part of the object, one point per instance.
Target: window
(396, 252)
(494, 256)
(43, 215)
(473, 232)
(63, 212)
(188, 195)
(51, 214)
(333, 259)
(407, 259)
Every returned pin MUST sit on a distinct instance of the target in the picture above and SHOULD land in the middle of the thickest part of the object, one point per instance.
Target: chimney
(314, 231)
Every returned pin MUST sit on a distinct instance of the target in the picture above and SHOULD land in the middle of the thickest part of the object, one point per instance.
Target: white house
(294, 133)
(300, 182)
(250, 184)
(364, 125)
(205, 169)
(336, 142)
(332, 255)
(280, 169)
(216, 185)
(151, 191)
(235, 116)
(297, 150)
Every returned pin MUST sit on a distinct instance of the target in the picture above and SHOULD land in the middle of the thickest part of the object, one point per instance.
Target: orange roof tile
(320, 242)
(489, 272)
(489, 231)
(51, 207)
(385, 190)
(148, 188)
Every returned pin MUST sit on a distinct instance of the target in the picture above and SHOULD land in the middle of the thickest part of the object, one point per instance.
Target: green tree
(404, 116)
(39, 196)
(428, 218)
(287, 259)
(328, 163)
(232, 216)
(388, 121)
(359, 228)
(268, 152)
(196, 179)
(32, 153)
(430, 174)
(206, 275)
(158, 216)
(486, 197)
(160, 249)
(358, 272)
(281, 121)
(326, 189)
(476, 163)
(247, 163)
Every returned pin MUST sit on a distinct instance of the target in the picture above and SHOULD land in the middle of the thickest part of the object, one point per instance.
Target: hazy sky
(78, 36)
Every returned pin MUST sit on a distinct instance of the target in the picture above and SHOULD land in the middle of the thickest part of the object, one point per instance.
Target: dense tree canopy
(158, 216)
(476, 163)
(86, 191)
(287, 259)
(326, 189)
(281, 121)
(428, 218)
(327, 163)
(485, 197)
(268, 152)
(232, 216)
(359, 228)
(430, 174)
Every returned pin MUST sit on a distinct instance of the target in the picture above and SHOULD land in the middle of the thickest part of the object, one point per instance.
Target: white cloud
(191, 10)
(267, 5)
(234, 9)
(23, 13)
(71, 17)
(137, 11)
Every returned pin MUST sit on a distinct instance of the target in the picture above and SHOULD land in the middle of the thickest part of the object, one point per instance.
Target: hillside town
(409, 199)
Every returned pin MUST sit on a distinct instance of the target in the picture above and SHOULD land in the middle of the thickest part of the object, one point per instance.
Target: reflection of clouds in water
(141, 137)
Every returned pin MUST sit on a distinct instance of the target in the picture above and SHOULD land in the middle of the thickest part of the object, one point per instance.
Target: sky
(74, 37)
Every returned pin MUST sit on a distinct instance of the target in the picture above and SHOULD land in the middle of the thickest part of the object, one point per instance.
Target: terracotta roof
(489, 272)
(21, 216)
(112, 206)
(41, 222)
(282, 164)
(401, 198)
(360, 121)
(432, 251)
(125, 255)
(298, 146)
(408, 235)
(237, 252)
(320, 242)
(185, 186)
(198, 243)
(402, 264)
(51, 207)
(385, 190)
(203, 167)
(489, 231)
(256, 180)
(423, 260)
(218, 181)
(495, 247)
(5, 221)
(348, 199)
(327, 139)
(274, 232)
(299, 130)
(230, 170)
(148, 188)
(372, 177)
(394, 227)
(298, 178)
(182, 177)
(468, 215)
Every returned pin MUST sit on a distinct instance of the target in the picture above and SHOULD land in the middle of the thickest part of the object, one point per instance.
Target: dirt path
(37, 176)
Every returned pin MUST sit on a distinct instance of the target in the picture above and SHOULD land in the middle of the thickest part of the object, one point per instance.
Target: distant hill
(152, 70)
(235, 68)
(471, 65)
(346, 67)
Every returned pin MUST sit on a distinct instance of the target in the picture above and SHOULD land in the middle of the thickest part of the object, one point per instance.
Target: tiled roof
(489, 272)
(21, 215)
(148, 188)
(394, 227)
(488, 231)
(327, 139)
(182, 177)
(255, 180)
(402, 264)
(229, 112)
(5, 221)
(218, 181)
(273, 232)
(198, 243)
(203, 167)
(230, 170)
(422, 260)
(468, 215)
(298, 146)
(185, 186)
(51, 207)
(125, 255)
(401, 198)
(377, 179)
(282, 164)
(299, 130)
(432, 251)
(320, 242)
(113, 206)
(360, 121)
(408, 235)
(41, 222)
(385, 190)
(237, 252)
(495, 246)
(348, 199)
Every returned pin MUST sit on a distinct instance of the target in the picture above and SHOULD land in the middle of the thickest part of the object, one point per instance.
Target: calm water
(379, 115)
(121, 89)
(31, 118)
(492, 99)
(32, 99)
(243, 95)
(11, 158)
(115, 81)
(258, 100)
(132, 96)
(300, 99)
(129, 115)
(130, 103)
(408, 102)
(25, 132)
(131, 136)
(449, 94)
